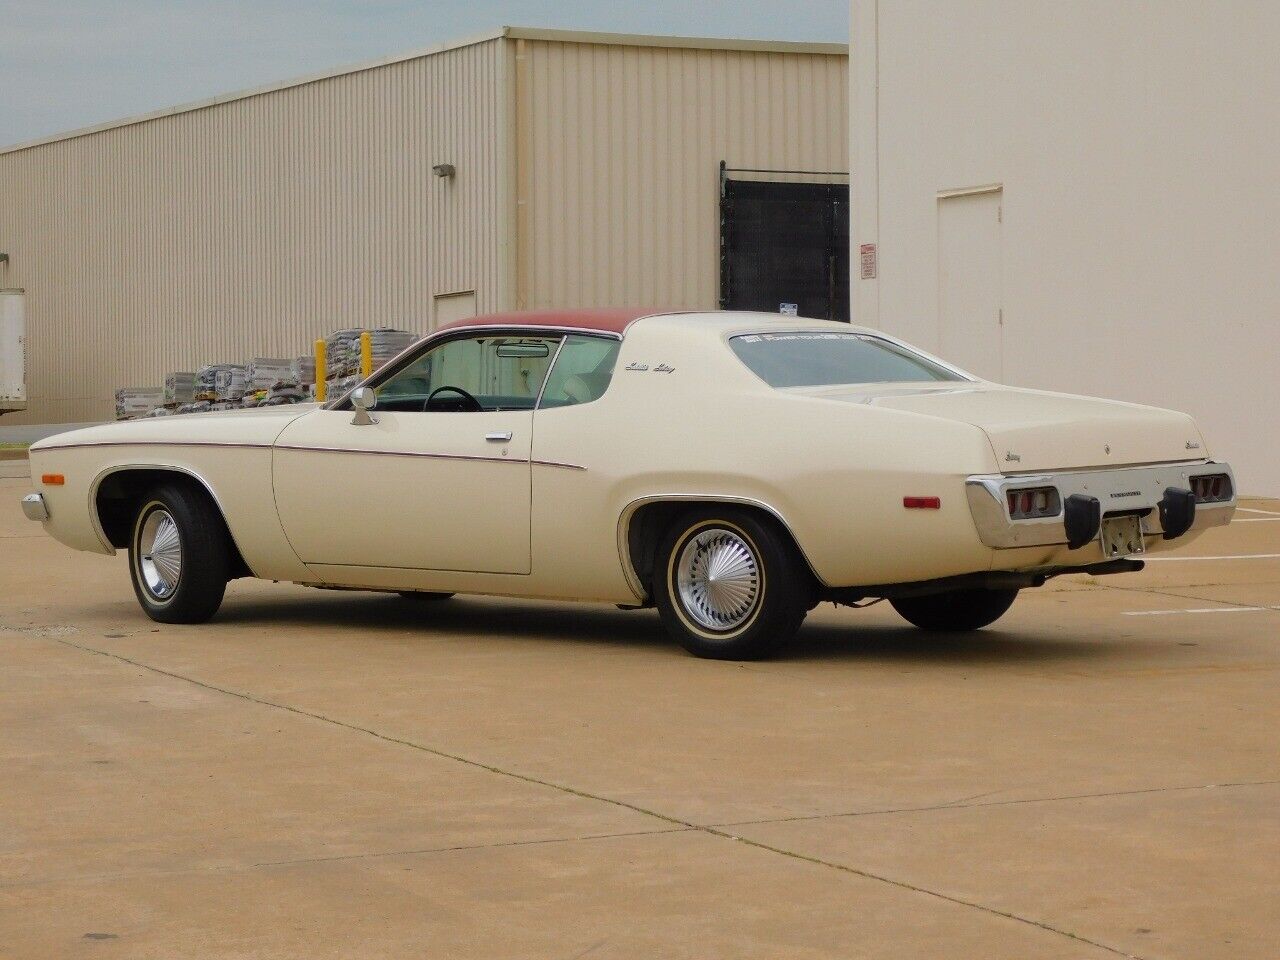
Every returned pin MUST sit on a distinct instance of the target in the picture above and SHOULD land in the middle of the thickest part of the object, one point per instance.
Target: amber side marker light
(53, 479)
(922, 503)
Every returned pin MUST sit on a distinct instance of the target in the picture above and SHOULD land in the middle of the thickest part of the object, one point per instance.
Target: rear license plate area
(1122, 537)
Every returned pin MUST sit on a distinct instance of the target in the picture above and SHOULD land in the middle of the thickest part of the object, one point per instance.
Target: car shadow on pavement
(817, 642)
(459, 617)
(491, 618)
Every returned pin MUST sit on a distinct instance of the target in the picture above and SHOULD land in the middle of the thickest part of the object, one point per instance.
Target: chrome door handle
(498, 437)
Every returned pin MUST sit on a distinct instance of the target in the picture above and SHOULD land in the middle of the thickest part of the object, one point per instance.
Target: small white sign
(868, 255)
(789, 309)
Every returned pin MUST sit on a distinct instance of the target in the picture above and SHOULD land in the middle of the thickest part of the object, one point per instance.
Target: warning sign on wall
(868, 251)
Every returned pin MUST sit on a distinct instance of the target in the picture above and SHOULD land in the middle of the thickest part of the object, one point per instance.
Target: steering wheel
(475, 406)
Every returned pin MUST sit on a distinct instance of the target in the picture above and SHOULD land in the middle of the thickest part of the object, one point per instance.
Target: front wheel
(955, 610)
(730, 586)
(179, 555)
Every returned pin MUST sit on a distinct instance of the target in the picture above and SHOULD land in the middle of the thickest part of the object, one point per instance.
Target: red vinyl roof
(608, 320)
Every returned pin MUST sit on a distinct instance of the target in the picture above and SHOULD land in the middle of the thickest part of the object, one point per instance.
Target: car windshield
(812, 359)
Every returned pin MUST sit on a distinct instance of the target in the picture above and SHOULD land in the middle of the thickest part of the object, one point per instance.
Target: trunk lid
(1033, 430)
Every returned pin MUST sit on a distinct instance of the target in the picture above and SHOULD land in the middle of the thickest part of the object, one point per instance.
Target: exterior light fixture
(445, 170)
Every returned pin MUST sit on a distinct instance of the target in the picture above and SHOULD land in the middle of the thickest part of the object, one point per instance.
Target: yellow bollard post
(366, 354)
(321, 372)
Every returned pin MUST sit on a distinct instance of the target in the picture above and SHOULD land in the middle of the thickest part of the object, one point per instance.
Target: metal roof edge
(516, 33)
(661, 40)
(251, 92)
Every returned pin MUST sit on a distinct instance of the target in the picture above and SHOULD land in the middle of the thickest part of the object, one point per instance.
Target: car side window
(471, 374)
(582, 371)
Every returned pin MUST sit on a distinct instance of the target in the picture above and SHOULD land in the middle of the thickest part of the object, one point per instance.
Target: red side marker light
(922, 503)
(52, 479)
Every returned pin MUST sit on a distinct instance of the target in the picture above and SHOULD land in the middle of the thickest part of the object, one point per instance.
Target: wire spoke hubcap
(718, 579)
(160, 554)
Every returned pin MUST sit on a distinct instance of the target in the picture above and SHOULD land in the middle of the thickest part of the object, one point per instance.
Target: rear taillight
(1211, 488)
(1034, 502)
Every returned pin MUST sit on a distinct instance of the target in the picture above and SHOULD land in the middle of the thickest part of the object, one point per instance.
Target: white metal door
(453, 306)
(970, 308)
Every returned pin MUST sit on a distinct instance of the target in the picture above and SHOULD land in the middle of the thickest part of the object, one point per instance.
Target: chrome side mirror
(363, 399)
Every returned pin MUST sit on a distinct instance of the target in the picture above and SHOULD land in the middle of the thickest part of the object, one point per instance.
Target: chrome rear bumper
(1124, 490)
(34, 507)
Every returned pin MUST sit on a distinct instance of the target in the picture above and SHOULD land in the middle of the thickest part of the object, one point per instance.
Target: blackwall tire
(957, 610)
(179, 555)
(730, 586)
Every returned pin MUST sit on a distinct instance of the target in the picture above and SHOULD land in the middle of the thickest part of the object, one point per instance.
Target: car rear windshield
(803, 359)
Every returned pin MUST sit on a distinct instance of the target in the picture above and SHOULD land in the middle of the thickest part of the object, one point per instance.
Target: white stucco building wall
(1081, 197)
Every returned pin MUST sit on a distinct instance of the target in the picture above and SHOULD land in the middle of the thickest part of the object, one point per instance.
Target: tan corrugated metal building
(586, 173)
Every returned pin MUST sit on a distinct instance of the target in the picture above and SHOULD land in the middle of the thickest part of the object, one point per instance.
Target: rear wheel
(729, 586)
(955, 610)
(179, 555)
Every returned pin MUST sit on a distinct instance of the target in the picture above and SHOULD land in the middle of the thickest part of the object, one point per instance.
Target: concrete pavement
(336, 775)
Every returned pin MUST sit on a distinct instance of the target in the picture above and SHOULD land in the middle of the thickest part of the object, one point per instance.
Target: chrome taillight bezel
(1212, 487)
(1033, 503)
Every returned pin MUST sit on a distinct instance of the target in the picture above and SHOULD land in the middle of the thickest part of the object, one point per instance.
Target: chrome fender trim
(624, 531)
(165, 467)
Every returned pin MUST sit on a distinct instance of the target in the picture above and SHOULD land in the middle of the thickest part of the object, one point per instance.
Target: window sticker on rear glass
(773, 337)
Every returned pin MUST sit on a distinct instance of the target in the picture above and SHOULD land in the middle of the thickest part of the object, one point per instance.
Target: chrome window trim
(542, 387)
(964, 375)
(432, 340)
(602, 335)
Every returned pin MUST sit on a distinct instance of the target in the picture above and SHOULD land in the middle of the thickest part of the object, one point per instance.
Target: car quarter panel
(683, 418)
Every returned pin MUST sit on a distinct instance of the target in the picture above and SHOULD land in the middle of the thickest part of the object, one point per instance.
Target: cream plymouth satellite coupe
(731, 469)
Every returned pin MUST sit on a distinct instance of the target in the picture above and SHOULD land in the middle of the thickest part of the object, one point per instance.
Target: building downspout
(864, 160)
(506, 228)
(521, 94)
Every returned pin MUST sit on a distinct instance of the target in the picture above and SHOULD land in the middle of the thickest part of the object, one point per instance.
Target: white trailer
(13, 352)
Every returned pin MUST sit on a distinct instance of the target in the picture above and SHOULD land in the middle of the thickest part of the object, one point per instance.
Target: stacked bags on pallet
(342, 361)
(388, 342)
(343, 349)
(263, 381)
(219, 386)
(229, 382)
(179, 388)
(303, 373)
(134, 402)
(343, 354)
(262, 375)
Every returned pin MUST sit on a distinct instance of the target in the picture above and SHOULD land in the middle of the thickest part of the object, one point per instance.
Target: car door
(440, 480)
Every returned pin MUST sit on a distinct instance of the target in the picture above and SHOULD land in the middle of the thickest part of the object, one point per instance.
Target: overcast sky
(71, 63)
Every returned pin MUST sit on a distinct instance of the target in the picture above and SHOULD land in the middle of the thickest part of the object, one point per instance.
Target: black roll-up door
(784, 244)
